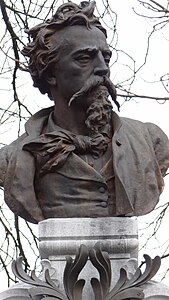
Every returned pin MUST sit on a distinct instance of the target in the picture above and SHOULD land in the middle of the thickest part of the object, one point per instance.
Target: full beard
(96, 91)
(98, 115)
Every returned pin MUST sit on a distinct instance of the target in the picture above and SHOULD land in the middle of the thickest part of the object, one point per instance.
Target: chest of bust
(77, 189)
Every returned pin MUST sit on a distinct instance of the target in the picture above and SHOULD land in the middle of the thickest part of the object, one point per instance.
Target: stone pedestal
(59, 238)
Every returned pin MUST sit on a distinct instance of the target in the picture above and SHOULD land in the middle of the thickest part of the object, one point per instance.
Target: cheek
(75, 79)
(72, 77)
(75, 73)
(73, 70)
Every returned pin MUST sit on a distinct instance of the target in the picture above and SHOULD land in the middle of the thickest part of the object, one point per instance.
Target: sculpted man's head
(69, 57)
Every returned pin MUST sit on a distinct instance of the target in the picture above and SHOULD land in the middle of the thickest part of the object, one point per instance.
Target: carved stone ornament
(125, 288)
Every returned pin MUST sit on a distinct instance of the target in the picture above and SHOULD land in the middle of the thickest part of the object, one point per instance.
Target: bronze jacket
(140, 160)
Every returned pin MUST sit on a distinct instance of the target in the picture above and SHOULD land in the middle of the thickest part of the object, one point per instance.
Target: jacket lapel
(124, 204)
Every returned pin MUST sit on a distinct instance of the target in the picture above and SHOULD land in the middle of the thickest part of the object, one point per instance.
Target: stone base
(59, 238)
(19, 291)
(156, 291)
(152, 290)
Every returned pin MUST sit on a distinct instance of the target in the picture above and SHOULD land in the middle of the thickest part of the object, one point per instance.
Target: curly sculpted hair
(41, 53)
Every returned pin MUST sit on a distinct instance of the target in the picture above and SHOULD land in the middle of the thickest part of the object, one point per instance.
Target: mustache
(94, 82)
(112, 90)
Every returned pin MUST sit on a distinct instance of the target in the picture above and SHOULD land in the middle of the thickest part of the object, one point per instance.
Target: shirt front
(82, 187)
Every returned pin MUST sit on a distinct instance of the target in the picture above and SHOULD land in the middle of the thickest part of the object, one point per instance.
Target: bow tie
(58, 145)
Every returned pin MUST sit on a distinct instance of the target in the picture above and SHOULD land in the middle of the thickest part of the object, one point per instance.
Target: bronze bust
(78, 158)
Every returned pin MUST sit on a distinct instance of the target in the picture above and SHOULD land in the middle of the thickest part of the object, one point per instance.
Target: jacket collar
(117, 122)
(36, 122)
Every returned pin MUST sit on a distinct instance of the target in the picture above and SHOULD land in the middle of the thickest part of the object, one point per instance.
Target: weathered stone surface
(59, 238)
(156, 291)
(62, 237)
(18, 291)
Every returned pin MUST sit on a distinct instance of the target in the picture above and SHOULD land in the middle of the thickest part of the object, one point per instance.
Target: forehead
(79, 37)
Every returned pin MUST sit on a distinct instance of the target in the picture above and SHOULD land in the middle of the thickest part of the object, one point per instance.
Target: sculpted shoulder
(153, 129)
(153, 134)
(7, 153)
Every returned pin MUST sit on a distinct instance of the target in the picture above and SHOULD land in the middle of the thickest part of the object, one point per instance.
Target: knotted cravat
(58, 145)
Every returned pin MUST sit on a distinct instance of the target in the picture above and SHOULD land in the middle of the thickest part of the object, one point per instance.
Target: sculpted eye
(83, 58)
(107, 56)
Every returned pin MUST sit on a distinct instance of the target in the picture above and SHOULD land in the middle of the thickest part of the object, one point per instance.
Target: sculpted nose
(101, 69)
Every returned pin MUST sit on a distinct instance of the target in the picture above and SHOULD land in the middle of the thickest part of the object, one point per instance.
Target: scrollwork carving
(125, 288)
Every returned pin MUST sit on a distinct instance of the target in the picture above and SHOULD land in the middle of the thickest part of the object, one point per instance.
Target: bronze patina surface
(79, 158)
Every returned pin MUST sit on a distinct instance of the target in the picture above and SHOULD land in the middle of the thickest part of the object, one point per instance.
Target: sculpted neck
(70, 118)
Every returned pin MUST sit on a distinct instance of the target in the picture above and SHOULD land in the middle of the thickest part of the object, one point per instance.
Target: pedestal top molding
(64, 236)
(109, 226)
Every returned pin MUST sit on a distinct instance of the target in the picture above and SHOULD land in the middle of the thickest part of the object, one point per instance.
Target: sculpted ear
(51, 80)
